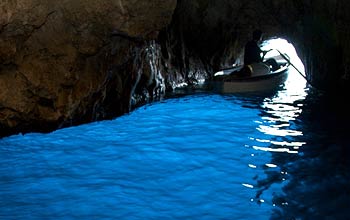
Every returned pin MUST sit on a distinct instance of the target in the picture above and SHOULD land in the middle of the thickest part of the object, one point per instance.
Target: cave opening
(296, 86)
(281, 45)
(283, 52)
(297, 71)
(296, 80)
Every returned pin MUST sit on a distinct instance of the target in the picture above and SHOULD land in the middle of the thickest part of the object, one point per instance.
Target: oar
(290, 63)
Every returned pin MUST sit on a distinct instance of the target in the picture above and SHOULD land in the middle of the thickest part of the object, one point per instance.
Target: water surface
(199, 156)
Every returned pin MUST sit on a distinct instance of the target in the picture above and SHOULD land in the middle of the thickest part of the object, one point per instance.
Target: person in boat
(254, 54)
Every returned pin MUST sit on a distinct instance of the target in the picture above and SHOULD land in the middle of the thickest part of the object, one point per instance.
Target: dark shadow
(317, 177)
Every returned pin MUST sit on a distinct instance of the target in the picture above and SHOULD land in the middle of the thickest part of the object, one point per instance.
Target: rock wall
(73, 61)
(68, 62)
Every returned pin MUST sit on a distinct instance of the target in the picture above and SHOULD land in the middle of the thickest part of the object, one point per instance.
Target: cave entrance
(296, 81)
(296, 78)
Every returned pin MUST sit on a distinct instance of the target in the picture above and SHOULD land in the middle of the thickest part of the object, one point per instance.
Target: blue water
(199, 156)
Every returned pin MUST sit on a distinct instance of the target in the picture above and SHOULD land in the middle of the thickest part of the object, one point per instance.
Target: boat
(261, 77)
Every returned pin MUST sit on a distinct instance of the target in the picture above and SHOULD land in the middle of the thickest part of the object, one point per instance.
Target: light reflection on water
(283, 108)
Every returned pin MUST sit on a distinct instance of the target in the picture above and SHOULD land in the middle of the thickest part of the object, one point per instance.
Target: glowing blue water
(182, 158)
(202, 156)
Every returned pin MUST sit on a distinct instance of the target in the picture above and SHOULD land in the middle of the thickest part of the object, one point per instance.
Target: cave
(69, 63)
(103, 114)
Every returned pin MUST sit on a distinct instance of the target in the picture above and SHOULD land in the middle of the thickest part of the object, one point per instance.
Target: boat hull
(258, 83)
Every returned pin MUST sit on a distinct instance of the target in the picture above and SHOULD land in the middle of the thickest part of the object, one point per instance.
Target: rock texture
(68, 62)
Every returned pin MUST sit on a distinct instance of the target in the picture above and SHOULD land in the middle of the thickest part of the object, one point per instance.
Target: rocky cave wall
(69, 62)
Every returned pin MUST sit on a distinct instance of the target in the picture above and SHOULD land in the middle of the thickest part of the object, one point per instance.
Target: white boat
(262, 78)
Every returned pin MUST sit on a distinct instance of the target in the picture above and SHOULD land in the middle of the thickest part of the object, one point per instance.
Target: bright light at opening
(296, 82)
(284, 47)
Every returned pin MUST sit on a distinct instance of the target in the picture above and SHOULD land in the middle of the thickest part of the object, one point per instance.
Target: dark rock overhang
(71, 62)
